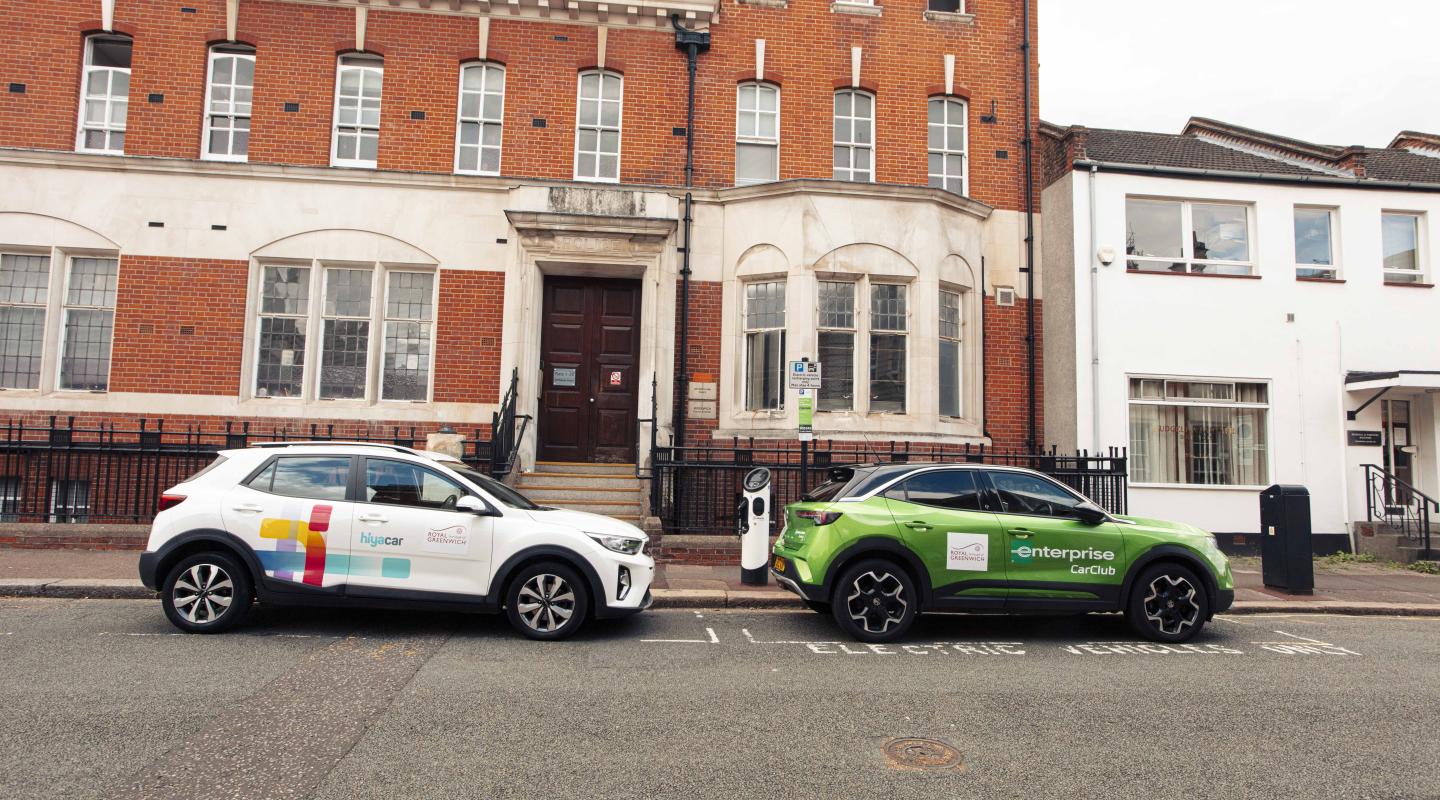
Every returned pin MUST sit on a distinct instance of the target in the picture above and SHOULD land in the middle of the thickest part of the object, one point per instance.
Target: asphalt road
(101, 699)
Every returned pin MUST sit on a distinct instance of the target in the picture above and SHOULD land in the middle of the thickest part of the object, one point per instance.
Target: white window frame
(486, 68)
(600, 127)
(368, 63)
(66, 307)
(856, 316)
(1417, 275)
(851, 145)
(959, 340)
(387, 320)
(944, 151)
(110, 100)
(56, 309)
(757, 140)
(43, 305)
(1194, 266)
(314, 329)
(906, 405)
(239, 53)
(1334, 266)
(746, 330)
(1166, 401)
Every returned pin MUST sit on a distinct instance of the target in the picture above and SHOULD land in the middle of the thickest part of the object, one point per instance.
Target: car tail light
(170, 500)
(819, 517)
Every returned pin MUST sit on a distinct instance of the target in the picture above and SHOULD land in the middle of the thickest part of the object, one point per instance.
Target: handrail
(1392, 479)
(504, 438)
(1383, 493)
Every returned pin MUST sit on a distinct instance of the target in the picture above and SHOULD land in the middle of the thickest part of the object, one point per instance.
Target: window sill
(1302, 279)
(764, 3)
(861, 9)
(1221, 487)
(1191, 275)
(950, 16)
(1408, 285)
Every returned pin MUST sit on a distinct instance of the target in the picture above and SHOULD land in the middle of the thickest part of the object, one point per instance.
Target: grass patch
(1425, 567)
(1337, 559)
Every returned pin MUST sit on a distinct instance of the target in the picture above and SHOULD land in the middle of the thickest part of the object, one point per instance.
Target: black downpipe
(693, 43)
(1032, 442)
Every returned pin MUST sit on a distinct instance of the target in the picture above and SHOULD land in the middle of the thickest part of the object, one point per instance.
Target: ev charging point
(754, 523)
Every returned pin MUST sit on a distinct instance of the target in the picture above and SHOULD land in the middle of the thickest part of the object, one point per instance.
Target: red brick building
(372, 214)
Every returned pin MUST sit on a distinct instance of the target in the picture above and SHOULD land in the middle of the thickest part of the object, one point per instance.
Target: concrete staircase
(609, 489)
(1387, 543)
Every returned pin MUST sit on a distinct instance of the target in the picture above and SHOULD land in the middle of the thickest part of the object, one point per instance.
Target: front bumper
(638, 598)
(1223, 600)
(787, 578)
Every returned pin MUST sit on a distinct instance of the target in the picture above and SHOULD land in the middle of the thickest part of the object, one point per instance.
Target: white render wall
(1186, 326)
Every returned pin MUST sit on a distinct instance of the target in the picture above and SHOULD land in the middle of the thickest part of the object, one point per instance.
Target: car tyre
(1168, 603)
(817, 606)
(875, 601)
(547, 601)
(206, 593)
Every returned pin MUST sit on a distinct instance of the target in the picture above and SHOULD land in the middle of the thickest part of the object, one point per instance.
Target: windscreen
(498, 490)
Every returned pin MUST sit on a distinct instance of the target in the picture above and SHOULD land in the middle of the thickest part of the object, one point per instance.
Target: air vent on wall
(1004, 296)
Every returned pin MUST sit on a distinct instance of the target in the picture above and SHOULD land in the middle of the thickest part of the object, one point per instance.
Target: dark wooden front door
(589, 352)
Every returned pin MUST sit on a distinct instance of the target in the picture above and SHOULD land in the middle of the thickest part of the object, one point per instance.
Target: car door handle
(248, 508)
(1021, 533)
(919, 526)
(372, 518)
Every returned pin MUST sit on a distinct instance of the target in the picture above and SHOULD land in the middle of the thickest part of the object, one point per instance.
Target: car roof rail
(338, 443)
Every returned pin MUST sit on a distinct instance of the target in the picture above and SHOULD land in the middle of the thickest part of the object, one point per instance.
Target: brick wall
(467, 336)
(1006, 400)
(706, 314)
(179, 326)
(807, 53)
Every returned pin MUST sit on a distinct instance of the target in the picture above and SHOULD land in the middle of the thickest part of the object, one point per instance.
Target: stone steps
(608, 489)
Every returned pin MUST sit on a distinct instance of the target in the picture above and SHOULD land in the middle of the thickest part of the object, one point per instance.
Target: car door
(293, 513)
(1052, 555)
(410, 537)
(942, 515)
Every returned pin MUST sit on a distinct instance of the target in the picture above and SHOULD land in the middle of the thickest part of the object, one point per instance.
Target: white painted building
(1238, 310)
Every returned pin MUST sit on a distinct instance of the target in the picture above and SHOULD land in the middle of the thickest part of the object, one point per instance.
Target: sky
(1335, 72)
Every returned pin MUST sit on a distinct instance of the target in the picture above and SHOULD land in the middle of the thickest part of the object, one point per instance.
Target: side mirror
(475, 506)
(1091, 514)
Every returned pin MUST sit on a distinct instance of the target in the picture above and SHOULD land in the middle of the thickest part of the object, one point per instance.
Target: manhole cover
(921, 754)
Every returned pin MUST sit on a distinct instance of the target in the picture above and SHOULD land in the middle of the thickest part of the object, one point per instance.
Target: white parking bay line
(709, 631)
(1301, 638)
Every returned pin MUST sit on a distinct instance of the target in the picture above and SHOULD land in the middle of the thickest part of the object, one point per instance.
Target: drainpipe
(1094, 322)
(693, 43)
(1033, 440)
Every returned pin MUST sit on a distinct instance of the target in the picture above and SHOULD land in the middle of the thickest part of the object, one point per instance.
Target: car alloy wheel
(1171, 605)
(546, 603)
(203, 593)
(877, 601)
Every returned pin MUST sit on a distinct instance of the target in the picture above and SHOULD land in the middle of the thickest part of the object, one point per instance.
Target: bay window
(228, 95)
(950, 359)
(482, 105)
(1401, 242)
(1187, 237)
(597, 126)
(757, 133)
(889, 322)
(835, 346)
(1198, 432)
(105, 95)
(356, 135)
(764, 345)
(339, 332)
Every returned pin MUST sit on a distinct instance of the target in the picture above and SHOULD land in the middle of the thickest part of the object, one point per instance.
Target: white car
(336, 523)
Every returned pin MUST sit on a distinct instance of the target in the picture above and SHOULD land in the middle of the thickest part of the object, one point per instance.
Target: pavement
(1347, 589)
(104, 699)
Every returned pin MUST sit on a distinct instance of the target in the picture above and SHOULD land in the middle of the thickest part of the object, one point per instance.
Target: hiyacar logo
(967, 551)
(381, 541)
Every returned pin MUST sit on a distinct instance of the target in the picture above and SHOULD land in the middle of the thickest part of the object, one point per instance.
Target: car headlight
(628, 545)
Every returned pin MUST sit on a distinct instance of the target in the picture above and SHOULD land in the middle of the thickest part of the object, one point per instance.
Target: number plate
(779, 564)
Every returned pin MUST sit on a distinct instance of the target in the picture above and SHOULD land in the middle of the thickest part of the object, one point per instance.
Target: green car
(877, 545)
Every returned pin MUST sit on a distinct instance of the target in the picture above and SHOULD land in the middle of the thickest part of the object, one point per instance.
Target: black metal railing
(1399, 506)
(505, 437)
(694, 488)
(62, 472)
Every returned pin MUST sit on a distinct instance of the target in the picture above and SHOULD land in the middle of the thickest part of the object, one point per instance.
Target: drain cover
(921, 754)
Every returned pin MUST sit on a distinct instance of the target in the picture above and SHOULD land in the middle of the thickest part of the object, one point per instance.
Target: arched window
(230, 83)
(105, 95)
(947, 144)
(597, 126)
(757, 133)
(358, 82)
(482, 107)
(854, 135)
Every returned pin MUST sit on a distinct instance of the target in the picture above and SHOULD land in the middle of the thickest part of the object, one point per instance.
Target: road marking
(1301, 638)
(1147, 648)
(1311, 647)
(713, 639)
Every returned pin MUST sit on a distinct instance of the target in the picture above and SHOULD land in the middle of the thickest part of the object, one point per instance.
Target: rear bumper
(785, 580)
(149, 567)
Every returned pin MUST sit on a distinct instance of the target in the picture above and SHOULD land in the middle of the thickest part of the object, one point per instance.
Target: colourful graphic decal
(310, 535)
